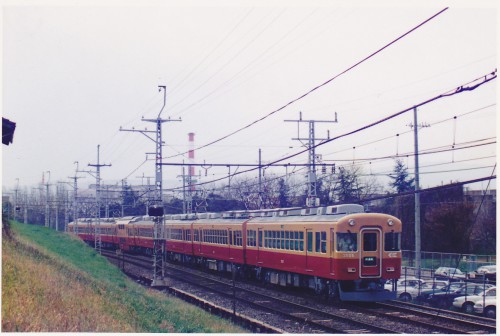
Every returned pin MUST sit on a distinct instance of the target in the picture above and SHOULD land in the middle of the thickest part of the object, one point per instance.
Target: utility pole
(97, 226)
(312, 198)
(16, 205)
(75, 196)
(187, 196)
(157, 209)
(415, 127)
(260, 178)
(47, 209)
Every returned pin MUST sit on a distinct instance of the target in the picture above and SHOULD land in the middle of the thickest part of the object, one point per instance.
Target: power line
(320, 85)
(463, 88)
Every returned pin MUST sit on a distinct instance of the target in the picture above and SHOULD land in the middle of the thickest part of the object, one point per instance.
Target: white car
(487, 269)
(466, 303)
(449, 273)
(487, 307)
(404, 283)
(410, 293)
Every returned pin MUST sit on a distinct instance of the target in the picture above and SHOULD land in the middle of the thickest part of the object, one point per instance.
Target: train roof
(327, 213)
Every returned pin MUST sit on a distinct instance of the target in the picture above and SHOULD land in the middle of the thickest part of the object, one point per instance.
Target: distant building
(478, 195)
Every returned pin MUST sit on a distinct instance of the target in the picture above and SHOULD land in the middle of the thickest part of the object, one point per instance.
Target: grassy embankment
(52, 282)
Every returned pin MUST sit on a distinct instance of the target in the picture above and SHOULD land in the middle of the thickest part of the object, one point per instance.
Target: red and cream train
(339, 251)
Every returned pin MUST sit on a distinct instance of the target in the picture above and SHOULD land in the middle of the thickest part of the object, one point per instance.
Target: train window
(238, 238)
(317, 241)
(347, 242)
(323, 241)
(370, 241)
(260, 238)
(309, 241)
(196, 236)
(251, 238)
(320, 241)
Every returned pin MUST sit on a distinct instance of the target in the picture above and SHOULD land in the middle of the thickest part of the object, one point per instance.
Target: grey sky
(73, 74)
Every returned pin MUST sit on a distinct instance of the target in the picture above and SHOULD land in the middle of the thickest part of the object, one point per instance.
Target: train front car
(367, 253)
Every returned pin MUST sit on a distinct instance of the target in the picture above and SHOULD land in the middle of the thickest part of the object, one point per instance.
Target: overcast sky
(73, 74)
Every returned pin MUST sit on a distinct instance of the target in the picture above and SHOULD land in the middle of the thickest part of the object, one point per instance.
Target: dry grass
(41, 297)
(43, 291)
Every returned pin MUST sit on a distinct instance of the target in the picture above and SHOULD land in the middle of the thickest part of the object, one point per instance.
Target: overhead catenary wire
(474, 84)
(407, 132)
(320, 85)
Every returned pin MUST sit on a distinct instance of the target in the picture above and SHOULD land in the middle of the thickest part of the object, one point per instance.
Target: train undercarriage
(371, 290)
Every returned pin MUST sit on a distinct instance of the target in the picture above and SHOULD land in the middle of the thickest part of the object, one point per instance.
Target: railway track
(303, 315)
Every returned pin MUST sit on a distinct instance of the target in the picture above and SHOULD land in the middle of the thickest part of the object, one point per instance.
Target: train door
(309, 247)
(260, 238)
(371, 253)
(198, 240)
(230, 243)
(332, 250)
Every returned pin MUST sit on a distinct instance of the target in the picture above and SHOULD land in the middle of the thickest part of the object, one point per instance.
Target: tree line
(451, 221)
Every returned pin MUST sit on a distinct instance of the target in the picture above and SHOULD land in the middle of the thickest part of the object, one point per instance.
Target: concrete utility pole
(415, 127)
(47, 209)
(157, 210)
(75, 196)
(16, 204)
(187, 205)
(312, 198)
(97, 230)
(260, 178)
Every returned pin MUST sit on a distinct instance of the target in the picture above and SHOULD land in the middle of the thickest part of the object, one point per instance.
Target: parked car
(449, 273)
(466, 303)
(424, 295)
(404, 283)
(488, 271)
(445, 299)
(410, 293)
(487, 307)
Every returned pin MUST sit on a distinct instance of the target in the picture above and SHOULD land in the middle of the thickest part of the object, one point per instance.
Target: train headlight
(351, 222)
(390, 222)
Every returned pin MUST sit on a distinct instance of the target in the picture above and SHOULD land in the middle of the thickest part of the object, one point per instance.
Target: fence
(432, 260)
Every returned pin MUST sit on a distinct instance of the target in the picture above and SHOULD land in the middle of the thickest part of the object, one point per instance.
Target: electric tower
(156, 208)
(312, 196)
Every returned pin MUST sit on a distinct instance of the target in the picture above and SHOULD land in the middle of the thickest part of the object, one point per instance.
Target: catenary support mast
(97, 226)
(156, 208)
(312, 197)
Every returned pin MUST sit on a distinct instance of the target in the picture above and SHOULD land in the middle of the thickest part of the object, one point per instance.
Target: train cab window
(347, 242)
(370, 241)
(392, 241)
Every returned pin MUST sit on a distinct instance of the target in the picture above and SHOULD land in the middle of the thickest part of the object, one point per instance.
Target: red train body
(337, 250)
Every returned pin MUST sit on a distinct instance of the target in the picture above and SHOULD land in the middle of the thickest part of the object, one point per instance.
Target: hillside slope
(52, 282)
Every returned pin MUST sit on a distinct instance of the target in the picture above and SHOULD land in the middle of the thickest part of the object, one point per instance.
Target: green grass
(53, 282)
